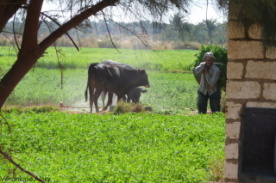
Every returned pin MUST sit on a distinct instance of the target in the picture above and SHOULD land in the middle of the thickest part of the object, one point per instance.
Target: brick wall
(251, 73)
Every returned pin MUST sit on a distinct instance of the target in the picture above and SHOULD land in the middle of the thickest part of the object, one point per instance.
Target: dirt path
(83, 107)
(80, 107)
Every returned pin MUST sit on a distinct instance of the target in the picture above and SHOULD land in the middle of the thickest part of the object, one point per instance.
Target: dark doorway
(257, 148)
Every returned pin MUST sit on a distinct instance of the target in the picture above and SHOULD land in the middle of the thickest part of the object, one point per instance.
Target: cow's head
(143, 91)
(137, 95)
(134, 94)
(143, 78)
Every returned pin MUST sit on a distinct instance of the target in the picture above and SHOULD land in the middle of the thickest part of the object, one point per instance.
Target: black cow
(131, 96)
(135, 94)
(112, 79)
(113, 64)
(117, 64)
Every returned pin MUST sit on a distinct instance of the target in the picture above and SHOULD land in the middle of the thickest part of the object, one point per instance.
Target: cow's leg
(110, 94)
(91, 94)
(114, 99)
(121, 98)
(103, 98)
(128, 99)
(95, 98)
(90, 87)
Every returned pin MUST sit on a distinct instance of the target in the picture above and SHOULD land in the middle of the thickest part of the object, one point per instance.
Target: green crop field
(160, 60)
(172, 85)
(147, 147)
(168, 91)
(165, 145)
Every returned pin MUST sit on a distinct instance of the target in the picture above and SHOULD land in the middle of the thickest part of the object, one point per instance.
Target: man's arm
(200, 68)
(212, 80)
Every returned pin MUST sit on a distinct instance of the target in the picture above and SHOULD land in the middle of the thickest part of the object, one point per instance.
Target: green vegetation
(165, 60)
(140, 147)
(171, 92)
(168, 91)
(165, 145)
(70, 58)
(46, 84)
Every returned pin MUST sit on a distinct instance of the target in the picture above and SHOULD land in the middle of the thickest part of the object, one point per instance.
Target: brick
(270, 91)
(239, 49)
(261, 104)
(243, 90)
(232, 151)
(233, 130)
(231, 171)
(261, 70)
(271, 52)
(234, 10)
(255, 31)
(234, 70)
(233, 110)
(235, 30)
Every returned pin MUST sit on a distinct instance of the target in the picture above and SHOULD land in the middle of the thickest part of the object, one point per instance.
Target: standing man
(208, 88)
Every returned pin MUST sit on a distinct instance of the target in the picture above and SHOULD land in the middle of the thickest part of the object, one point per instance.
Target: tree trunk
(28, 54)
(14, 76)
(8, 9)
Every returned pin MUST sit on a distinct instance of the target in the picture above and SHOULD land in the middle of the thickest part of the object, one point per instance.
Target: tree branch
(18, 166)
(29, 39)
(73, 22)
(14, 34)
(8, 9)
(56, 22)
(109, 33)
(133, 33)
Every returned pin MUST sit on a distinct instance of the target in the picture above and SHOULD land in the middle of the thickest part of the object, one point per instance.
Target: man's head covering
(210, 55)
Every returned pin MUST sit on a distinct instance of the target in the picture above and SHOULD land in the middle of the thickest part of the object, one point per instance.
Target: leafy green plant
(131, 147)
(221, 61)
(216, 167)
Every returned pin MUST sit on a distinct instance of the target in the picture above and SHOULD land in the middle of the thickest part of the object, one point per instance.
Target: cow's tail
(85, 94)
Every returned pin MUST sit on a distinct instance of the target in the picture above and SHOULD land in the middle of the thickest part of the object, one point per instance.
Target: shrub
(123, 107)
(221, 62)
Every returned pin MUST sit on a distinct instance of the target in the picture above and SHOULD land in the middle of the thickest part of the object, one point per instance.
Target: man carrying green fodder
(208, 75)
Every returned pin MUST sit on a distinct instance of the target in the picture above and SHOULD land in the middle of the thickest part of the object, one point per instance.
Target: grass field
(70, 58)
(172, 85)
(147, 147)
(168, 91)
(165, 145)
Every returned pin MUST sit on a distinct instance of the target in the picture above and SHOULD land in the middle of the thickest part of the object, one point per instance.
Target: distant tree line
(177, 34)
